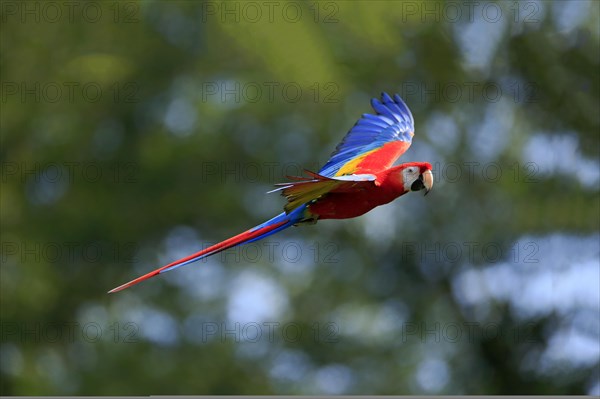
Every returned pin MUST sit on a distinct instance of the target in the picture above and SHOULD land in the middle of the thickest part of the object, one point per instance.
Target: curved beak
(427, 180)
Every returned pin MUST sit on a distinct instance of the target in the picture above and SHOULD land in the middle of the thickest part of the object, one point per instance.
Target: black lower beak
(417, 184)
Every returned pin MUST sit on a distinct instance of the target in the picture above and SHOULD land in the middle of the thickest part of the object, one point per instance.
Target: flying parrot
(358, 177)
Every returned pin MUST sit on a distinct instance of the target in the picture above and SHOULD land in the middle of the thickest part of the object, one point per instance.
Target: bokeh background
(134, 133)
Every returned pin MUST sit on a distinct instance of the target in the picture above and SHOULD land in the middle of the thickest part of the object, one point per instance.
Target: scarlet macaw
(358, 177)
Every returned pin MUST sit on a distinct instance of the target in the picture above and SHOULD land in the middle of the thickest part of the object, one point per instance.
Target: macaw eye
(411, 170)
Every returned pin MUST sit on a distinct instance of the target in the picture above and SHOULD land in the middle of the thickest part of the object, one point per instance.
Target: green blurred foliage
(147, 151)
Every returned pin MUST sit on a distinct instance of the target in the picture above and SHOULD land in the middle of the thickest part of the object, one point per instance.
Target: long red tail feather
(252, 234)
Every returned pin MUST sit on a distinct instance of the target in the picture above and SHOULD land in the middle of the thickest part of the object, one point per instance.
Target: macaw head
(417, 176)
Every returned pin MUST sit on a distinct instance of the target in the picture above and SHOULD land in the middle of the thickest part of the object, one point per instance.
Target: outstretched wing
(375, 141)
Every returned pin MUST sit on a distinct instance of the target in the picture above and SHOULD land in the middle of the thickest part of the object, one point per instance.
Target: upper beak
(427, 180)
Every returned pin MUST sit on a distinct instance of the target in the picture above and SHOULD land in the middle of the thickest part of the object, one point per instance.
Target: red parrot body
(352, 203)
(358, 177)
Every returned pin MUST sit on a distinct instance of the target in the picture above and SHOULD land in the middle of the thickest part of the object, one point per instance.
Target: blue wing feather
(393, 122)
